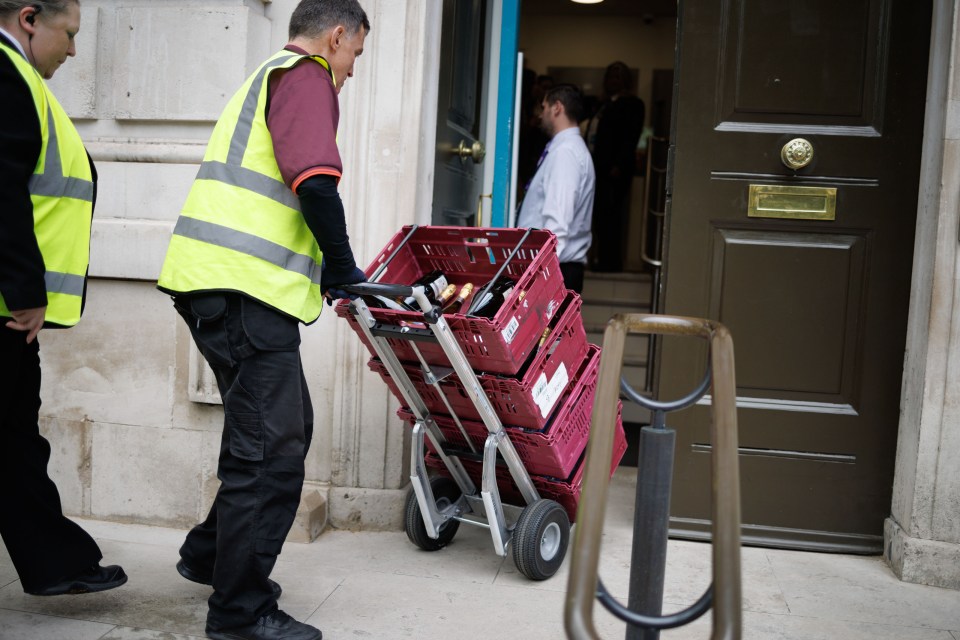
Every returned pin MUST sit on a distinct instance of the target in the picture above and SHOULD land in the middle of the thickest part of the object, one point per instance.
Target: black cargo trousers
(254, 352)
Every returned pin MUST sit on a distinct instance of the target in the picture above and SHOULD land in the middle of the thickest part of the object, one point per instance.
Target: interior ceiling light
(587, 1)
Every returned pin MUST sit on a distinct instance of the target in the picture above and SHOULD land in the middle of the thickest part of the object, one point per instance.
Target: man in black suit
(612, 136)
(47, 205)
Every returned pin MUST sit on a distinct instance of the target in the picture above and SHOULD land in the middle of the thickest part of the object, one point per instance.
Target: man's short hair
(9, 7)
(570, 97)
(312, 18)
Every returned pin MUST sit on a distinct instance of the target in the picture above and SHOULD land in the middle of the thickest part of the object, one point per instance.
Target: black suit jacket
(21, 265)
(618, 132)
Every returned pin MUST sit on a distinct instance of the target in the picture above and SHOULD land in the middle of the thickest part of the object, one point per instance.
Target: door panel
(458, 180)
(766, 39)
(810, 283)
(817, 308)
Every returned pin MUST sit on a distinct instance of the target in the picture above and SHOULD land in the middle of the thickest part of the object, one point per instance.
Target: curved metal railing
(725, 591)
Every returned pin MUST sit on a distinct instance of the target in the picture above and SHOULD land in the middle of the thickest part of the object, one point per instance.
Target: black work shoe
(96, 578)
(276, 626)
(194, 575)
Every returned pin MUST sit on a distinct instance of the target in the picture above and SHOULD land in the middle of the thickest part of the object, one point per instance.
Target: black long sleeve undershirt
(323, 212)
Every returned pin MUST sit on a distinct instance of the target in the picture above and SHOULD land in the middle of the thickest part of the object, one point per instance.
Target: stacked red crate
(527, 399)
(565, 491)
(495, 345)
(541, 390)
(552, 450)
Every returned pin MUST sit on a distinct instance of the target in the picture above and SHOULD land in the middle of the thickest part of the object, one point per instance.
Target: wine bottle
(433, 283)
(534, 353)
(446, 295)
(543, 338)
(457, 303)
(489, 302)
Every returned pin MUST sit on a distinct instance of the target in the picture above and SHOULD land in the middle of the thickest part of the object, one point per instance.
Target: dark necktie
(526, 187)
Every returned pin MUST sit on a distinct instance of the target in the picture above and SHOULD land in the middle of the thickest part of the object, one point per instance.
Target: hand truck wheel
(445, 492)
(540, 539)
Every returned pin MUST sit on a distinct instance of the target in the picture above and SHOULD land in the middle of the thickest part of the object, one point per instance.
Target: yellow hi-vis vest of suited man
(61, 190)
(241, 228)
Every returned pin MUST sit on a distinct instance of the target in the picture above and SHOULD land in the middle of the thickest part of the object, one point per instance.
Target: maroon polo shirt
(303, 112)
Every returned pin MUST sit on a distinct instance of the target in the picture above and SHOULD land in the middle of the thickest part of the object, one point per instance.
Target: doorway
(816, 296)
(460, 151)
(641, 34)
(794, 197)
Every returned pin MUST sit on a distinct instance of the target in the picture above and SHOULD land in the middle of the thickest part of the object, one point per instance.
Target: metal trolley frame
(538, 531)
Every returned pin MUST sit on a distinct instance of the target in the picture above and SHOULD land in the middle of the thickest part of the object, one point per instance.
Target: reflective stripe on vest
(52, 183)
(231, 172)
(237, 176)
(250, 244)
(61, 191)
(240, 205)
(241, 133)
(64, 283)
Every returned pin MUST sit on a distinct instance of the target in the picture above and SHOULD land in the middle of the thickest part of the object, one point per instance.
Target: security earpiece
(33, 16)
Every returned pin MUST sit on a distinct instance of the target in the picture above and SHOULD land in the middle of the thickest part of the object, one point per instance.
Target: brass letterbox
(792, 202)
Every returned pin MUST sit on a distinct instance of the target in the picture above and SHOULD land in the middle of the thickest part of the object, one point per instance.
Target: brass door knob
(476, 151)
(797, 154)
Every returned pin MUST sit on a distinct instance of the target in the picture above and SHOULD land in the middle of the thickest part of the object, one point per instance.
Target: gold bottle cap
(447, 293)
(543, 337)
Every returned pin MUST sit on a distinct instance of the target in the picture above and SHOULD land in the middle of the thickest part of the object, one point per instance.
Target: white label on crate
(551, 308)
(511, 329)
(546, 393)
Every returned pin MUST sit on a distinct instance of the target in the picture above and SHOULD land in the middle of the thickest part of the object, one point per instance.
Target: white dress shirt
(560, 197)
(15, 42)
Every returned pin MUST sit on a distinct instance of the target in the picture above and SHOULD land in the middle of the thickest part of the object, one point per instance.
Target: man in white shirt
(560, 195)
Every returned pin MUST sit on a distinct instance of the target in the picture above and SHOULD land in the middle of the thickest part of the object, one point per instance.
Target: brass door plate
(793, 203)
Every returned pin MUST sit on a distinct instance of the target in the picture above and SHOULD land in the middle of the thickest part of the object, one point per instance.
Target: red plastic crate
(472, 254)
(551, 452)
(565, 492)
(527, 402)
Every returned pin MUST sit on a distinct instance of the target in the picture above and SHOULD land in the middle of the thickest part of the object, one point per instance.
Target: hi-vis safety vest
(241, 228)
(61, 190)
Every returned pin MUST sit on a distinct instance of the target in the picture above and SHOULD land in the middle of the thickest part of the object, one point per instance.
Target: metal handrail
(725, 485)
(645, 209)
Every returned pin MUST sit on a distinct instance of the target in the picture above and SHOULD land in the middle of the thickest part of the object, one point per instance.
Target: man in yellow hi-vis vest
(47, 187)
(260, 240)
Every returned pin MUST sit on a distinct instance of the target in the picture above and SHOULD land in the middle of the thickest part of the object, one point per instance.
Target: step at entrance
(605, 295)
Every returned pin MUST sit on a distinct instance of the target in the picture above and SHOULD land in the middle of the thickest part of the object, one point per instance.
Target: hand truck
(538, 531)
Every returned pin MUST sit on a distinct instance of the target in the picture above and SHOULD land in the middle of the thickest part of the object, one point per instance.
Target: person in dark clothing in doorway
(47, 193)
(532, 137)
(612, 136)
(260, 241)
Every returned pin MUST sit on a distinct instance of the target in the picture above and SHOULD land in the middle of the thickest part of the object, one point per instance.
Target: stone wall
(129, 408)
(922, 535)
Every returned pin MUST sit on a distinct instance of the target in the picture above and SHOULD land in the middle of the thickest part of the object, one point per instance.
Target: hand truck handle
(377, 288)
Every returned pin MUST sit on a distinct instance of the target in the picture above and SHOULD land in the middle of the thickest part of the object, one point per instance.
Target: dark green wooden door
(817, 307)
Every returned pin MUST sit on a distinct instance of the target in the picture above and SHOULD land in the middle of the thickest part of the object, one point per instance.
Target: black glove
(330, 282)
